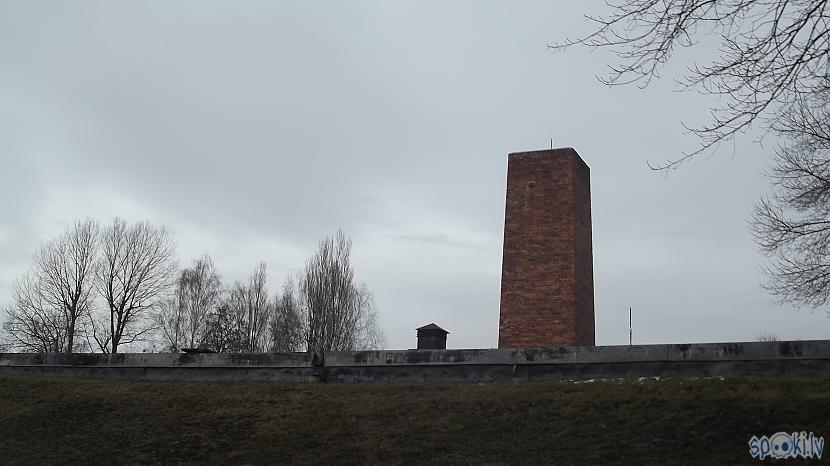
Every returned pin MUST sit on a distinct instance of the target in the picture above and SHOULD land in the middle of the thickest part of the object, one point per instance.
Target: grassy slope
(45, 420)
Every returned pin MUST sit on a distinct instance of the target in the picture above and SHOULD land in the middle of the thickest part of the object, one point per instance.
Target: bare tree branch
(286, 328)
(182, 318)
(201, 287)
(32, 323)
(792, 225)
(772, 53)
(134, 274)
(240, 322)
(53, 300)
(258, 306)
(341, 316)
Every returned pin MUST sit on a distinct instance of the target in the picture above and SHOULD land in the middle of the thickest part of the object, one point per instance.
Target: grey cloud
(254, 129)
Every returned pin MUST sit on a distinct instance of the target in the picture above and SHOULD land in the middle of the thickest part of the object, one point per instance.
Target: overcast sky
(252, 130)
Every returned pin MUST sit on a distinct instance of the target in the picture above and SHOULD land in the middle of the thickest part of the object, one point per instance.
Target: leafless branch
(52, 301)
(134, 274)
(792, 225)
(286, 328)
(341, 316)
(182, 318)
(772, 52)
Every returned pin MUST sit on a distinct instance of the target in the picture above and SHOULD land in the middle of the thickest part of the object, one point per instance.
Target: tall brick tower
(547, 278)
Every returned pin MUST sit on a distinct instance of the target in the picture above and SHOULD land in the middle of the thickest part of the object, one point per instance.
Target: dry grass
(59, 420)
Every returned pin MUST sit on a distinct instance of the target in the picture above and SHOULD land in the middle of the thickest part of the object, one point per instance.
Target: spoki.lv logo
(786, 445)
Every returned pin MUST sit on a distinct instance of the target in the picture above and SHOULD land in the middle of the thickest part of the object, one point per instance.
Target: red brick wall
(547, 288)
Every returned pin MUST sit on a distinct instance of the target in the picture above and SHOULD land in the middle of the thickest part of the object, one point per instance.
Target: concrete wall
(581, 362)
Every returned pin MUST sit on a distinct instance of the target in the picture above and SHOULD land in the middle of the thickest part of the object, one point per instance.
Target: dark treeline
(116, 287)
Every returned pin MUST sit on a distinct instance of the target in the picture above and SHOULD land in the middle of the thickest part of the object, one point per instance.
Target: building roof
(431, 327)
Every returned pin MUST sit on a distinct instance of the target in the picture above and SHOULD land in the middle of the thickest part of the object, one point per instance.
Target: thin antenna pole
(630, 331)
(551, 143)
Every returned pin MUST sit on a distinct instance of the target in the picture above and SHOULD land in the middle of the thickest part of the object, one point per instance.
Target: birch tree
(340, 313)
(202, 287)
(286, 327)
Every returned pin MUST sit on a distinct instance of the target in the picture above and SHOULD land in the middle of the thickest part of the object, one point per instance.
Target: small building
(432, 337)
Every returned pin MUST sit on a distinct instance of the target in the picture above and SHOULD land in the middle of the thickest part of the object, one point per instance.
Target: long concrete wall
(577, 363)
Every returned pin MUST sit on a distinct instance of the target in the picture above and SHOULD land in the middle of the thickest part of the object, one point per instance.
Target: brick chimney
(547, 284)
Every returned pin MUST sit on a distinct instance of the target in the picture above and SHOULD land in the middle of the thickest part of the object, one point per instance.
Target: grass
(61, 420)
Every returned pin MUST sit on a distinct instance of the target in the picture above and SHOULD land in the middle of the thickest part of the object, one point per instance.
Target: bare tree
(219, 331)
(772, 53)
(367, 334)
(134, 274)
(286, 328)
(65, 269)
(340, 315)
(183, 317)
(258, 306)
(774, 69)
(240, 321)
(171, 319)
(33, 324)
(198, 293)
(226, 326)
(52, 300)
(767, 336)
(792, 224)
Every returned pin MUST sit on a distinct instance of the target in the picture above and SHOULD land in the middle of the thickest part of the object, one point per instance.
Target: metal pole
(630, 331)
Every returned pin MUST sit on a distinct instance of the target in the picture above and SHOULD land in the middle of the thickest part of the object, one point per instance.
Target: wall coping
(693, 352)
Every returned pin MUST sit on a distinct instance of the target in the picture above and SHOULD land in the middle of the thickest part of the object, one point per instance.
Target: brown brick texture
(547, 282)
